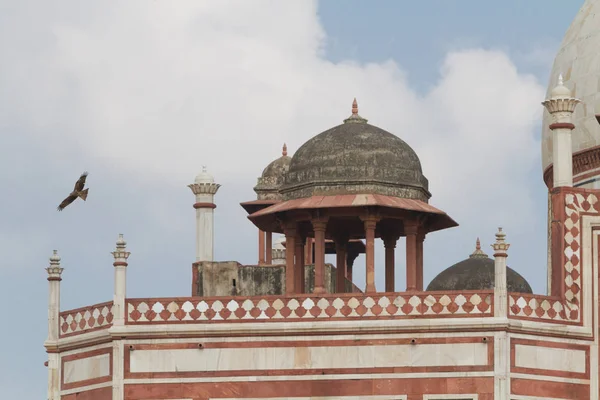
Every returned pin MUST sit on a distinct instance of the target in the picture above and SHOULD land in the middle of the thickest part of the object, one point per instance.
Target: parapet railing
(309, 307)
(536, 307)
(86, 319)
(334, 306)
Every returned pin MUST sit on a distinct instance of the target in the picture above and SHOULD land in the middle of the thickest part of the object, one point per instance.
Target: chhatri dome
(272, 177)
(204, 177)
(578, 60)
(355, 157)
(476, 273)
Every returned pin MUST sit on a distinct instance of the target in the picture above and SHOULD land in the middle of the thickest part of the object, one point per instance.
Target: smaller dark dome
(476, 273)
(272, 177)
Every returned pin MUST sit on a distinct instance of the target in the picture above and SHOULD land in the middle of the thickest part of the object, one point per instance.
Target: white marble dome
(204, 177)
(579, 62)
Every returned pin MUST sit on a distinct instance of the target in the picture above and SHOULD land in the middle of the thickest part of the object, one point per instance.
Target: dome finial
(478, 253)
(355, 118)
(284, 151)
(560, 80)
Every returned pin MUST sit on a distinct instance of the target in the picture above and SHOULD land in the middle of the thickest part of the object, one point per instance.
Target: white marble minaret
(205, 188)
(54, 278)
(561, 106)
(120, 292)
(501, 340)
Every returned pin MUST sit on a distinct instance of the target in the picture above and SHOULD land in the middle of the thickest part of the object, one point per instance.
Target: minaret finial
(204, 168)
(121, 253)
(54, 270)
(354, 107)
(284, 151)
(477, 245)
(500, 246)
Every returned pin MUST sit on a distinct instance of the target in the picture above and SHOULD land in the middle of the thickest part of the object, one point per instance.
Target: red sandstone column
(261, 247)
(370, 224)
(349, 264)
(319, 227)
(290, 238)
(419, 270)
(341, 245)
(299, 265)
(269, 248)
(410, 230)
(390, 262)
(309, 251)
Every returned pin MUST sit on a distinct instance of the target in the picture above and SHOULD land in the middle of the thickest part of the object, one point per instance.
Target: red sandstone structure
(300, 329)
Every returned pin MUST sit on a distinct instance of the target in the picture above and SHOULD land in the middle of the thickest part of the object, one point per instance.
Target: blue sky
(142, 95)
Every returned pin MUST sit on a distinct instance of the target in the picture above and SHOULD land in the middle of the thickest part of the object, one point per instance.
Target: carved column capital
(370, 221)
(341, 239)
(319, 224)
(390, 241)
(411, 227)
(290, 228)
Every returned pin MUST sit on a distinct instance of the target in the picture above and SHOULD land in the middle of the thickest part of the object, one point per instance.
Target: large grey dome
(355, 157)
(477, 273)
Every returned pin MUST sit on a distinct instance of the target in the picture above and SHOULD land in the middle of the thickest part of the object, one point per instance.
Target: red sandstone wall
(415, 388)
(560, 390)
(96, 394)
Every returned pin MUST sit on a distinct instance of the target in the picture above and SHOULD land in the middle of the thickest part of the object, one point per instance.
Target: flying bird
(77, 192)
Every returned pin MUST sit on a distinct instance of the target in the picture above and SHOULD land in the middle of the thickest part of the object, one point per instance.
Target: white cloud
(154, 91)
(160, 90)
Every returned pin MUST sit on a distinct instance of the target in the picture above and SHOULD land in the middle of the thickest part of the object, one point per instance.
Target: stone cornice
(583, 161)
(561, 105)
(204, 188)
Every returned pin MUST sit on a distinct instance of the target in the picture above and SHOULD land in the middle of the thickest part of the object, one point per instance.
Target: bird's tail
(83, 194)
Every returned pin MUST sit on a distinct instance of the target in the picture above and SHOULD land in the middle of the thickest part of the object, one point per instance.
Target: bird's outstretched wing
(80, 182)
(66, 202)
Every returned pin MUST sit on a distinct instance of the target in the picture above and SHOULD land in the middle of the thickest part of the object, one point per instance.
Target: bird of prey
(77, 192)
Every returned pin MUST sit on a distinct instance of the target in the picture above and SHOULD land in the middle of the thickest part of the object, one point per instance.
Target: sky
(142, 94)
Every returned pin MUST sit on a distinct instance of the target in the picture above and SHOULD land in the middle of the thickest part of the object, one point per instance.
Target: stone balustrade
(537, 307)
(310, 307)
(86, 319)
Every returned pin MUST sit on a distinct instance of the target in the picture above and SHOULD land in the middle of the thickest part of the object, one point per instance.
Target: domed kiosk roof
(355, 157)
(476, 273)
(269, 183)
(273, 176)
(278, 167)
(349, 174)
